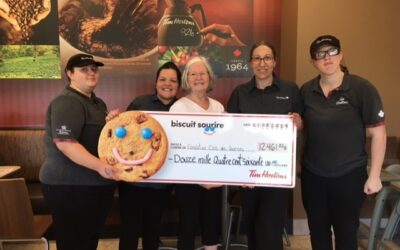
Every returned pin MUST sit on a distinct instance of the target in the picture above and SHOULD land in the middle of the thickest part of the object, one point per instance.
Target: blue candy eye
(120, 132)
(146, 133)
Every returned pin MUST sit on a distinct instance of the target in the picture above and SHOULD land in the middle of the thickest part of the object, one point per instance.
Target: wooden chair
(17, 222)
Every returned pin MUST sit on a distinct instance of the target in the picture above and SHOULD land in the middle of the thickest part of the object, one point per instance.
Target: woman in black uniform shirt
(339, 109)
(77, 185)
(264, 208)
(141, 204)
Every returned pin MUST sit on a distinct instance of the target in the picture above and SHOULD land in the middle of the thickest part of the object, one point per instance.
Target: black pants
(264, 213)
(198, 206)
(79, 213)
(333, 202)
(141, 210)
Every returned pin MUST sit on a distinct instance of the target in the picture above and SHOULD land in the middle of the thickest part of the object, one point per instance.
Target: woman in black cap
(77, 185)
(339, 109)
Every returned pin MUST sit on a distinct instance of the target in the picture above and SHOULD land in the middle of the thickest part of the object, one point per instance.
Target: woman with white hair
(198, 204)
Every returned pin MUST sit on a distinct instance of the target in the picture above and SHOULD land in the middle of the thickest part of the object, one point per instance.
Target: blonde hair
(185, 75)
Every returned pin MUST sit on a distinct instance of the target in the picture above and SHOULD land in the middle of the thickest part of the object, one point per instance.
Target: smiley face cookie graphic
(134, 142)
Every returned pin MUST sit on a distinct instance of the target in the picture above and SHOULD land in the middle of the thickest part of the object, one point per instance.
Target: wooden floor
(296, 243)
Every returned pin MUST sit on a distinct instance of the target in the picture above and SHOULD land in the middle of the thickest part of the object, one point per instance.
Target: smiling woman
(340, 109)
(142, 203)
(196, 200)
(72, 169)
(265, 94)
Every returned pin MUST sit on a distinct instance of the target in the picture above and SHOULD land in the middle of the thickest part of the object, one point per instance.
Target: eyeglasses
(324, 53)
(194, 75)
(87, 69)
(258, 59)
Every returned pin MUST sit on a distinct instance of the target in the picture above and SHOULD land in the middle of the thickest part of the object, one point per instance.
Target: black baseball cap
(80, 60)
(321, 41)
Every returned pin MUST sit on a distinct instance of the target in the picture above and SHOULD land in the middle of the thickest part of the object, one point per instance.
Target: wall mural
(132, 38)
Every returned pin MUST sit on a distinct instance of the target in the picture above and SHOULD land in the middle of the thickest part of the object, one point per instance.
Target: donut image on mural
(109, 28)
(135, 143)
(25, 21)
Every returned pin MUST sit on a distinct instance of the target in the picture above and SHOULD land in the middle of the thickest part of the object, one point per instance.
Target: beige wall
(289, 40)
(369, 31)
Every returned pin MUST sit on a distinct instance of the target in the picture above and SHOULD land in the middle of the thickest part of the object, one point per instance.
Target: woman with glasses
(141, 204)
(77, 185)
(198, 204)
(339, 109)
(264, 208)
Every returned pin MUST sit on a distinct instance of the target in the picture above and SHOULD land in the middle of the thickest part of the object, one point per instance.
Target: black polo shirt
(281, 97)
(150, 103)
(334, 126)
(72, 115)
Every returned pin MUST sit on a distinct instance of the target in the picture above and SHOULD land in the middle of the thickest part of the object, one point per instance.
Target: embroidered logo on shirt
(342, 101)
(282, 97)
(381, 113)
(63, 130)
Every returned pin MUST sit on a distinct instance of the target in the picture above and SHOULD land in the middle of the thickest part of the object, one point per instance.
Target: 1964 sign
(231, 149)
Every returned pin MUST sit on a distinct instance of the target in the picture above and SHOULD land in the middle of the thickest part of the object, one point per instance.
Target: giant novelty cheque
(229, 149)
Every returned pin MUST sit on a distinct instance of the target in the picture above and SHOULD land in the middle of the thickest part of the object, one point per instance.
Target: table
(7, 170)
